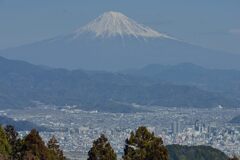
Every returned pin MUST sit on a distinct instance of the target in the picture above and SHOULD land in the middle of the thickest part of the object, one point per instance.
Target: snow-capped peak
(115, 23)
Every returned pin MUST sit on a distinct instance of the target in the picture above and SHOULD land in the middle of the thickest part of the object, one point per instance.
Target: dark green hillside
(177, 152)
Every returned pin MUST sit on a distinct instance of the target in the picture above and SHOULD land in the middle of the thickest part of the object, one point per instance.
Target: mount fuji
(115, 42)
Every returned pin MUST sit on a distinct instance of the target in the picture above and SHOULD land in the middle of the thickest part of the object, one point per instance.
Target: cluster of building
(225, 138)
(77, 129)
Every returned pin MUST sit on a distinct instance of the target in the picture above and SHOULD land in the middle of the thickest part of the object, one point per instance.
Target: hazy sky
(209, 23)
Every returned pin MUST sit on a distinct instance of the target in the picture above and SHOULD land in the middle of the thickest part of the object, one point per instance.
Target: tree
(5, 148)
(54, 147)
(34, 147)
(11, 134)
(101, 150)
(143, 145)
(14, 141)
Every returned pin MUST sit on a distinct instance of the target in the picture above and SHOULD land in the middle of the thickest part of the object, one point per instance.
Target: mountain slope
(116, 24)
(178, 152)
(236, 120)
(21, 125)
(216, 80)
(22, 83)
(115, 42)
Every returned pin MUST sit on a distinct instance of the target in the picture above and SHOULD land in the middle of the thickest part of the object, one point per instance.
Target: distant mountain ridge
(215, 80)
(236, 120)
(114, 42)
(21, 125)
(22, 83)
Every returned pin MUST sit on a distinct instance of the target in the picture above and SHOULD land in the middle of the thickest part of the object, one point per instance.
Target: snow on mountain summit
(115, 23)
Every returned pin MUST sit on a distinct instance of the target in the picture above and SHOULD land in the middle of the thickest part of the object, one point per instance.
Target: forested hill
(178, 152)
(22, 83)
(225, 81)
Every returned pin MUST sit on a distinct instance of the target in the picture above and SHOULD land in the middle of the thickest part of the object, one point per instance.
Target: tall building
(197, 126)
(176, 127)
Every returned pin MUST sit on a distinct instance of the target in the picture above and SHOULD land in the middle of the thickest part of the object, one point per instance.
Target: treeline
(31, 147)
(141, 145)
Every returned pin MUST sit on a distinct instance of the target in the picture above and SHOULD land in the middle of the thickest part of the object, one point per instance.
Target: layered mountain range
(115, 42)
(22, 84)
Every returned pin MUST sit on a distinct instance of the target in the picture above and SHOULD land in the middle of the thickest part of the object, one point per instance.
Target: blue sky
(209, 23)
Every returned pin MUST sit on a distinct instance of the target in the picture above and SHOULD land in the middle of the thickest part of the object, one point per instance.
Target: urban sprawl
(76, 129)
